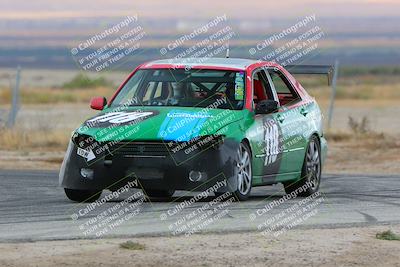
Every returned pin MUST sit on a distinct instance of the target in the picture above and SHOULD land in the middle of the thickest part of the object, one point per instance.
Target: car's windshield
(186, 88)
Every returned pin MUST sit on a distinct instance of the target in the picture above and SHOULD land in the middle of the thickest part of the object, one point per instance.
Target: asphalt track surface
(33, 207)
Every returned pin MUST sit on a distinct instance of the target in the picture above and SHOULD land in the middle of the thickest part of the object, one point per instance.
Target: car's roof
(236, 63)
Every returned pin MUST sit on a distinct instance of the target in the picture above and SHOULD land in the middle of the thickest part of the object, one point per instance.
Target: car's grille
(141, 149)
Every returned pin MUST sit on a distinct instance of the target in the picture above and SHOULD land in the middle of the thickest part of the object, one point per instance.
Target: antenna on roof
(227, 51)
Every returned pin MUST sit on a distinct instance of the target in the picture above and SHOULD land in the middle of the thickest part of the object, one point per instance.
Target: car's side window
(286, 93)
(261, 88)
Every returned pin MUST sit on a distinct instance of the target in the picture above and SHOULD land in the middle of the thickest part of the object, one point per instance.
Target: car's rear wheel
(159, 193)
(82, 195)
(243, 172)
(310, 173)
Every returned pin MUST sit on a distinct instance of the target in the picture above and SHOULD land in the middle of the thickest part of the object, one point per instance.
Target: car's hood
(158, 123)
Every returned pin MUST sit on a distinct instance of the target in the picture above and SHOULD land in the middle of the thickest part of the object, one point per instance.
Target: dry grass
(132, 245)
(370, 140)
(388, 235)
(25, 140)
(361, 136)
(357, 91)
(55, 95)
(362, 87)
(373, 153)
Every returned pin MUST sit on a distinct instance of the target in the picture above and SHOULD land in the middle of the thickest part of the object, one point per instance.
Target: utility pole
(15, 101)
(333, 94)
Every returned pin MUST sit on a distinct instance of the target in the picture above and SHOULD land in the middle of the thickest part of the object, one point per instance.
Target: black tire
(82, 195)
(159, 193)
(243, 173)
(218, 194)
(310, 172)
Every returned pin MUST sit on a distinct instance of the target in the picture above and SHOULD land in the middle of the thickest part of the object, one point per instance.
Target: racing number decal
(120, 118)
(271, 139)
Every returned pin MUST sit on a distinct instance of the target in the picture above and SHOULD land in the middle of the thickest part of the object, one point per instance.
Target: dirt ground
(317, 247)
(364, 155)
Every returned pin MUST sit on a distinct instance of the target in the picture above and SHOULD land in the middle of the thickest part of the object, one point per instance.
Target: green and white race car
(185, 124)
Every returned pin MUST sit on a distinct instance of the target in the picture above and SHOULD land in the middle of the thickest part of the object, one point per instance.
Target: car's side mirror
(266, 106)
(98, 102)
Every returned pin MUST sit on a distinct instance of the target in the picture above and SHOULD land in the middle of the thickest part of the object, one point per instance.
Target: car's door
(291, 120)
(265, 133)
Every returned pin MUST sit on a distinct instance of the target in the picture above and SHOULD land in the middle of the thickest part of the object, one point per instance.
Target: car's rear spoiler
(312, 69)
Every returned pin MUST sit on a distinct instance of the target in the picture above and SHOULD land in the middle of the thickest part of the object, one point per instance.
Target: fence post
(333, 94)
(15, 101)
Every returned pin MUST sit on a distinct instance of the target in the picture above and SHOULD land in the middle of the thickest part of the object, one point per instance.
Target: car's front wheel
(82, 195)
(243, 172)
(310, 173)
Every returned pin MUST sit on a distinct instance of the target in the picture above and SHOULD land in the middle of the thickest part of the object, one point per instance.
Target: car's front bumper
(156, 173)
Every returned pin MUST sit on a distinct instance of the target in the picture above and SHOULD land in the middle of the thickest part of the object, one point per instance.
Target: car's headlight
(81, 140)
